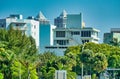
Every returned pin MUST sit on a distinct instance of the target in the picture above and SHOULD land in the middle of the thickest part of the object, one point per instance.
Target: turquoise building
(45, 32)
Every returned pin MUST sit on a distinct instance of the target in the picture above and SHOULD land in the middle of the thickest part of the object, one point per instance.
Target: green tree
(53, 63)
(114, 61)
(21, 45)
(90, 55)
(6, 57)
(20, 71)
(72, 53)
(66, 63)
(115, 42)
(1, 76)
(47, 69)
(100, 62)
(86, 58)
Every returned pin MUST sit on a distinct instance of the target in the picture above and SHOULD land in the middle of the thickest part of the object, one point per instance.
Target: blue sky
(101, 14)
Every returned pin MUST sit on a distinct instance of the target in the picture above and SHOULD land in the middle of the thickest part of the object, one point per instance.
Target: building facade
(38, 27)
(66, 37)
(69, 31)
(45, 32)
(68, 20)
(114, 34)
(29, 26)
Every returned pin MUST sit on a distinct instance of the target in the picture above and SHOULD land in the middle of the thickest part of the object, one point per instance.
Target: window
(85, 33)
(17, 24)
(34, 26)
(62, 42)
(60, 33)
(51, 47)
(1, 25)
(75, 33)
(95, 39)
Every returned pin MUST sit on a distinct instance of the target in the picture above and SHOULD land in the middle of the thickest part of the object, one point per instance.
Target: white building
(39, 28)
(65, 37)
(29, 26)
(69, 34)
(69, 30)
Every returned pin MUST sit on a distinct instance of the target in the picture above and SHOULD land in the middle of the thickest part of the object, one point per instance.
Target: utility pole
(20, 71)
(82, 77)
(82, 72)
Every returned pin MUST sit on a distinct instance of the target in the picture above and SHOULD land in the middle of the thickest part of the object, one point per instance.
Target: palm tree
(20, 45)
(6, 58)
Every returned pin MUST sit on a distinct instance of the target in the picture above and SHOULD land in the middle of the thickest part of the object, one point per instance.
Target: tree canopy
(15, 46)
(19, 58)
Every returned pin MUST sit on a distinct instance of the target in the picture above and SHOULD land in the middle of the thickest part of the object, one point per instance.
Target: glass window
(85, 33)
(34, 26)
(1, 25)
(75, 33)
(62, 42)
(60, 33)
(17, 24)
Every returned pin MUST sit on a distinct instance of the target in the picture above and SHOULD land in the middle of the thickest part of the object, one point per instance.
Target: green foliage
(52, 63)
(95, 57)
(6, 57)
(115, 42)
(46, 70)
(19, 69)
(100, 62)
(94, 76)
(1, 76)
(19, 58)
(113, 59)
(16, 46)
(86, 56)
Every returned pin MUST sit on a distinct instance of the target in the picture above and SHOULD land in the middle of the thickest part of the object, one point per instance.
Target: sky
(100, 14)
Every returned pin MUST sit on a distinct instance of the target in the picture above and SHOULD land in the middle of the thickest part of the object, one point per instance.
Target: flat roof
(85, 28)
